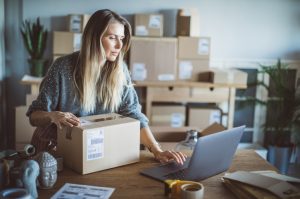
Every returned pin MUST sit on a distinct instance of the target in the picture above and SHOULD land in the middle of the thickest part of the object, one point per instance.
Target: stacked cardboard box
(148, 25)
(153, 59)
(193, 56)
(66, 42)
(166, 115)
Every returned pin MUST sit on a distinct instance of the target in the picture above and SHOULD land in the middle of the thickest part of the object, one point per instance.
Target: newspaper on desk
(80, 191)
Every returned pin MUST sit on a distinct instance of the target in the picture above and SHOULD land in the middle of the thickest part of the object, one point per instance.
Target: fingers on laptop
(168, 156)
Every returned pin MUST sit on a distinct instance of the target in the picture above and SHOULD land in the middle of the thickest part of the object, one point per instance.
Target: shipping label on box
(98, 144)
(189, 69)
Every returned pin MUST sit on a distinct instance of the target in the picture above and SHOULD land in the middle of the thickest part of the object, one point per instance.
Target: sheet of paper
(80, 191)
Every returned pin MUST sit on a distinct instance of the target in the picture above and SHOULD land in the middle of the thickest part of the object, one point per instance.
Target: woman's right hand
(64, 119)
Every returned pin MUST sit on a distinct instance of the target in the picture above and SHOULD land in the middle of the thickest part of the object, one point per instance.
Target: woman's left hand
(167, 156)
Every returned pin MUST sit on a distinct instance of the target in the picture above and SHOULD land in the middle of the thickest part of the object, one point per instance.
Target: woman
(90, 82)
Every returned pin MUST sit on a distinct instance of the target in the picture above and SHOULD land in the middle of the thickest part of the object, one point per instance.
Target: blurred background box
(189, 69)
(168, 115)
(77, 22)
(194, 47)
(66, 42)
(149, 25)
(153, 59)
(188, 21)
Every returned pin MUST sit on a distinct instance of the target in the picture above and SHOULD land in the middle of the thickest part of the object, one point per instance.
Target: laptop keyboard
(176, 175)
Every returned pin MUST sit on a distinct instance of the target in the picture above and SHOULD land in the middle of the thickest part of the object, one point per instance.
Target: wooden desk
(211, 93)
(130, 184)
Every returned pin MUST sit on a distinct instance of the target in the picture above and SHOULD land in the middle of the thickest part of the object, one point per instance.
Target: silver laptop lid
(213, 154)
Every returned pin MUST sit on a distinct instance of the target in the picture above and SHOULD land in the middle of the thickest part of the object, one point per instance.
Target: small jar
(189, 143)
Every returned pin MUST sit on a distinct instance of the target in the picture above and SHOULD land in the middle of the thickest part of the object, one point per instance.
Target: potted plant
(282, 102)
(35, 38)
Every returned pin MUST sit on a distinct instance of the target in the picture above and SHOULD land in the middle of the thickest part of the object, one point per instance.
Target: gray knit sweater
(57, 93)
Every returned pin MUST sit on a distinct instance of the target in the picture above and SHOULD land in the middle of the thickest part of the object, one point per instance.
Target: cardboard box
(153, 59)
(214, 76)
(223, 76)
(66, 42)
(203, 117)
(189, 69)
(210, 94)
(168, 115)
(77, 22)
(188, 22)
(194, 48)
(149, 25)
(171, 134)
(101, 142)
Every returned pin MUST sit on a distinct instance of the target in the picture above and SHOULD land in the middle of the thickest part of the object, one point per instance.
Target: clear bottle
(189, 143)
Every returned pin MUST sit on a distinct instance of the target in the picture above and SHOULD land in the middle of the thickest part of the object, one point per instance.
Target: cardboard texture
(169, 92)
(223, 76)
(153, 59)
(188, 22)
(279, 188)
(77, 22)
(203, 117)
(194, 47)
(189, 69)
(149, 25)
(171, 134)
(173, 116)
(101, 142)
(66, 42)
(213, 128)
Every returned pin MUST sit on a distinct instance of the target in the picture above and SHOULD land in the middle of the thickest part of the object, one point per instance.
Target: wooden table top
(128, 183)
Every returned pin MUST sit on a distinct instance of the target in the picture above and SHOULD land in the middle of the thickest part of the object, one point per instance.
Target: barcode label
(95, 144)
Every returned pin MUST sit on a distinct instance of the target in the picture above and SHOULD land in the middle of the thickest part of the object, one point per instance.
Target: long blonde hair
(96, 79)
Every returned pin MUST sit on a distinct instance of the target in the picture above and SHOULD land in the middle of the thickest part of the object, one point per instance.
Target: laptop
(212, 155)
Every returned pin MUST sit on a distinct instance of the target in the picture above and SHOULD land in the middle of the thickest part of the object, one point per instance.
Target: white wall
(240, 29)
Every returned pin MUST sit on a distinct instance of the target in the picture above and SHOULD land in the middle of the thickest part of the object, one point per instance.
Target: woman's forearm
(148, 140)
(40, 118)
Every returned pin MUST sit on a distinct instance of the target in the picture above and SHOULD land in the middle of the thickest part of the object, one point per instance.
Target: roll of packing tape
(193, 190)
(29, 150)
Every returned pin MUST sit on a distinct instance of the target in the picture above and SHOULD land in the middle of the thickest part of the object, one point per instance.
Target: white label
(75, 23)
(95, 144)
(166, 77)
(154, 21)
(141, 31)
(177, 120)
(77, 41)
(139, 72)
(215, 116)
(185, 69)
(203, 46)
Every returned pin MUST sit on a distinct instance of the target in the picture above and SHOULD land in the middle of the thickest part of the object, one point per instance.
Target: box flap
(213, 128)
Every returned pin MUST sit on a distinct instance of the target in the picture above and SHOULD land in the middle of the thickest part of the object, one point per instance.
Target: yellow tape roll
(180, 189)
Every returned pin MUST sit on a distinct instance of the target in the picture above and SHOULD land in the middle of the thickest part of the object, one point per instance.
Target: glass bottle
(189, 142)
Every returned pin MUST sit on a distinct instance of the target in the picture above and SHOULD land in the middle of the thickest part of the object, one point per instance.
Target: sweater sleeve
(130, 105)
(47, 99)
